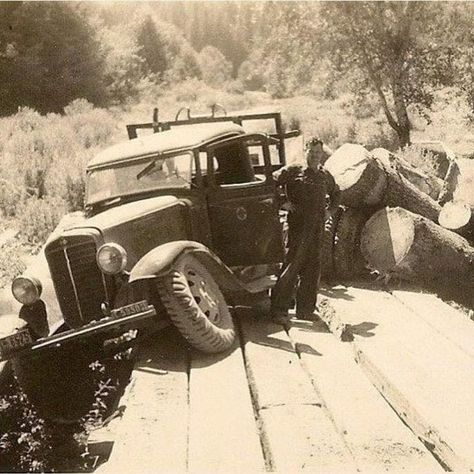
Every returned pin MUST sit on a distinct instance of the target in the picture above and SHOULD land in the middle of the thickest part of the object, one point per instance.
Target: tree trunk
(366, 182)
(398, 243)
(403, 122)
(431, 185)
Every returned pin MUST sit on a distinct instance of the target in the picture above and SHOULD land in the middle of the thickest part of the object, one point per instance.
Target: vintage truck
(178, 225)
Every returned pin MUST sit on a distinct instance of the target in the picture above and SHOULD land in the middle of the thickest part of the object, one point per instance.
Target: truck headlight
(26, 290)
(112, 258)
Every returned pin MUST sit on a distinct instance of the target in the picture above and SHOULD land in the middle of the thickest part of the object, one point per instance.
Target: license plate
(128, 310)
(19, 340)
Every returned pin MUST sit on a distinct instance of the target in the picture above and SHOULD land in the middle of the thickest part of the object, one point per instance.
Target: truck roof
(179, 138)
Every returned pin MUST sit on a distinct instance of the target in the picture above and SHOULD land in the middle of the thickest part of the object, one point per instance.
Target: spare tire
(196, 306)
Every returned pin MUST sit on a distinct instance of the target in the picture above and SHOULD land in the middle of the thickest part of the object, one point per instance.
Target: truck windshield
(138, 176)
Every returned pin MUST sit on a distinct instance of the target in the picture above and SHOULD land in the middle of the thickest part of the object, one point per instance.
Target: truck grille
(79, 284)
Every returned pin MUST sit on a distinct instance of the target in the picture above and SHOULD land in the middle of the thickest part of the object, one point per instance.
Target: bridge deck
(396, 396)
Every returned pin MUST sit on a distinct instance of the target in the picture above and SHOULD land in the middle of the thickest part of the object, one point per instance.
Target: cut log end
(387, 238)
(361, 181)
(347, 164)
(454, 215)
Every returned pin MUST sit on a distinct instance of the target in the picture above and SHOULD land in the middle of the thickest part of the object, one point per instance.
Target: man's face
(314, 155)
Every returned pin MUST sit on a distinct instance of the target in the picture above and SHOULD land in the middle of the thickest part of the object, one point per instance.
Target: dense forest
(110, 53)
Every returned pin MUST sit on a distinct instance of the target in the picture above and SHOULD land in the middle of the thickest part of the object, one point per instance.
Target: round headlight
(26, 290)
(111, 258)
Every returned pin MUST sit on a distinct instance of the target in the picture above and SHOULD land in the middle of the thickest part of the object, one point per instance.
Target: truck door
(242, 205)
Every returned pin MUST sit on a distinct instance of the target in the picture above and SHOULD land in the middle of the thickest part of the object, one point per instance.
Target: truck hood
(125, 213)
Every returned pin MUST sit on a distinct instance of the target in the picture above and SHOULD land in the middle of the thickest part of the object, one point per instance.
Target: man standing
(307, 190)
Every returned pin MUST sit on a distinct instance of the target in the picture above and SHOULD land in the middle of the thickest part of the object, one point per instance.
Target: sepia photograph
(236, 236)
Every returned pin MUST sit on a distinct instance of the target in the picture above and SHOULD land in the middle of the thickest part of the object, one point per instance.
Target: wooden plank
(223, 434)
(152, 436)
(427, 379)
(296, 430)
(377, 438)
(301, 438)
(443, 318)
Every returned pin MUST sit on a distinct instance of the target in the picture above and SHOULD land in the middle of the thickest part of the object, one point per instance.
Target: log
(341, 256)
(398, 243)
(450, 183)
(347, 257)
(365, 181)
(431, 185)
(457, 216)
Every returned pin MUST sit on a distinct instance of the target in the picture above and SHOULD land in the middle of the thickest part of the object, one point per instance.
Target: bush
(421, 159)
(328, 132)
(215, 68)
(293, 123)
(75, 193)
(39, 217)
(11, 197)
(250, 76)
(24, 442)
(90, 126)
(29, 443)
(11, 263)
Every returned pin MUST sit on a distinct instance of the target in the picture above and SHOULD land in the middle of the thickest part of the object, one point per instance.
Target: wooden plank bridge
(385, 382)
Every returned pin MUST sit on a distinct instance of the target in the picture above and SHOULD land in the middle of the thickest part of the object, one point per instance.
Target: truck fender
(160, 260)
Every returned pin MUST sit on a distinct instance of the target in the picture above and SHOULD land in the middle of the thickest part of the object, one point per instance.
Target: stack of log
(400, 223)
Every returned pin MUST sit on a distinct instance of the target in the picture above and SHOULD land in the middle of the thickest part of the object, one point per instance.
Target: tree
(285, 49)
(152, 48)
(123, 66)
(215, 68)
(390, 47)
(48, 57)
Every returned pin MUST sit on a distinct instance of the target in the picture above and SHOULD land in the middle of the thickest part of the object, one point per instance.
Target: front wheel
(196, 306)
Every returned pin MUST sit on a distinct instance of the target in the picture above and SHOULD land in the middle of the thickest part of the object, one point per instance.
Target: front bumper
(22, 343)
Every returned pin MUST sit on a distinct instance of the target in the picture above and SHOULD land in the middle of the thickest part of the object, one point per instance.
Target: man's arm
(332, 190)
(282, 177)
(286, 173)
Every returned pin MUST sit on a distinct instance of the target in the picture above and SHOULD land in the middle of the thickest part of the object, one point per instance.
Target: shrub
(250, 75)
(75, 193)
(328, 132)
(11, 197)
(24, 442)
(91, 127)
(11, 263)
(189, 91)
(215, 68)
(39, 217)
(29, 443)
(351, 132)
(294, 123)
(423, 160)
(234, 87)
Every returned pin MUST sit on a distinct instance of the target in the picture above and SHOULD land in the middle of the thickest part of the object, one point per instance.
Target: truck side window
(234, 164)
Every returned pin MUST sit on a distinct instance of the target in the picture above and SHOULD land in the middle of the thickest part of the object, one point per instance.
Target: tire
(196, 306)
